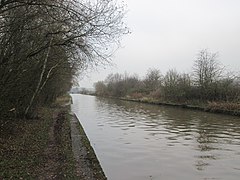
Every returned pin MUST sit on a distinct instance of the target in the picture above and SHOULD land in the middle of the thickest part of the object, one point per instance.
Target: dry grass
(225, 106)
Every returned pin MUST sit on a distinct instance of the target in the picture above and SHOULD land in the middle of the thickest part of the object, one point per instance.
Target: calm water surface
(135, 141)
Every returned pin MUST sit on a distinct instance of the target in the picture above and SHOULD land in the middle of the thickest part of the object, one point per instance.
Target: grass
(224, 107)
(24, 146)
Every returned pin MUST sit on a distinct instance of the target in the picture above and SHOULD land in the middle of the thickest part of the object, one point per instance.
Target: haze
(168, 34)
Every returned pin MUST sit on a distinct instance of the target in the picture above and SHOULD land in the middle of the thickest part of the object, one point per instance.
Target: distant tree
(184, 87)
(175, 87)
(206, 72)
(115, 85)
(171, 83)
(153, 79)
(228, 89)
(100, 88)
(118, 85)
(131, 84)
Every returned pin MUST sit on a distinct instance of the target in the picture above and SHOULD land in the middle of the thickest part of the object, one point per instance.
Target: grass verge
(37, 148)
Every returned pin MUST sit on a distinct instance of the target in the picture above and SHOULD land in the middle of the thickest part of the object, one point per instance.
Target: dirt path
(87, 166)
(53, 160)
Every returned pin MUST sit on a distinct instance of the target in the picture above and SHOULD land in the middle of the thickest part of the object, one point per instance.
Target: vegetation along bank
(209, 87)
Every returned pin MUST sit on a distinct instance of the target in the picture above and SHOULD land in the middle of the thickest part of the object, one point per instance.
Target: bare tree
(33, 33)
(206, 71)
(171, 80)
(153, 79)
(101, 88)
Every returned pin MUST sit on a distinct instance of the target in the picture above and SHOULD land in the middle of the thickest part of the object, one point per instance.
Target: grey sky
(168, 34)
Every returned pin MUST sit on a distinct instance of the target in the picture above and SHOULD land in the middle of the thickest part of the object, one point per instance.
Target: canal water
(135, 141)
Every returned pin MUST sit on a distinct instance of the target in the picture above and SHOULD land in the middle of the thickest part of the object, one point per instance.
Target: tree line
(45, 44)
(209, 81)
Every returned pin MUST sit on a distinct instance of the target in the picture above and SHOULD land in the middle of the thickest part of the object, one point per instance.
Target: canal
(135, 141)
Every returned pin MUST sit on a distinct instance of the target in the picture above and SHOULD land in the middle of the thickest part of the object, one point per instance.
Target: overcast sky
(168, 34)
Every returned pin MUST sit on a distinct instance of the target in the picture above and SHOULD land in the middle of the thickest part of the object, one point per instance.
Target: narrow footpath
(88, 166)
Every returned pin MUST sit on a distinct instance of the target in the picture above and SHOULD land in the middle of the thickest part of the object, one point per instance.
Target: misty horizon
(169, 35)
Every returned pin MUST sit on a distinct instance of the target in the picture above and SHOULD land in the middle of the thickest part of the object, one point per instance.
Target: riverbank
(41, 148)
(212, 107)
(87, 163)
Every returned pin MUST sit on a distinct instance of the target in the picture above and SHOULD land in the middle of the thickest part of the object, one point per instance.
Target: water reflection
(166, 139)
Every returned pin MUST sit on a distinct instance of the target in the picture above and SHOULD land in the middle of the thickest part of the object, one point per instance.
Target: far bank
(227, 108)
